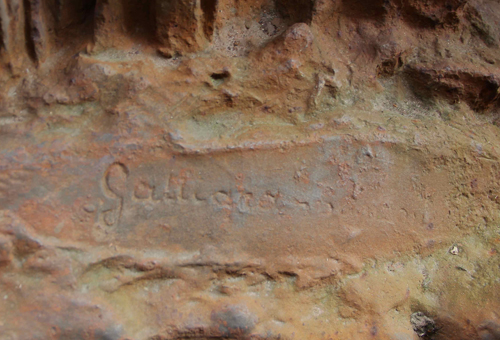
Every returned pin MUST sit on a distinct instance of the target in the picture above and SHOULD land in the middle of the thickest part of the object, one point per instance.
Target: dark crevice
(219, 78)
(89, 17)
(54, 10)
(2, 39)
(389, 67)
(28, 30)
(75, 18)
(58, 10)
(478, 91)
(374, 10)
(209, 8)
(88, 11)
(431, 14)
(295, 11)
(140, 19)
(418, 20)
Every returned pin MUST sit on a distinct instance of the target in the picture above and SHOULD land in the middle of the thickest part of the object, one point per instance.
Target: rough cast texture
(266, 169)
